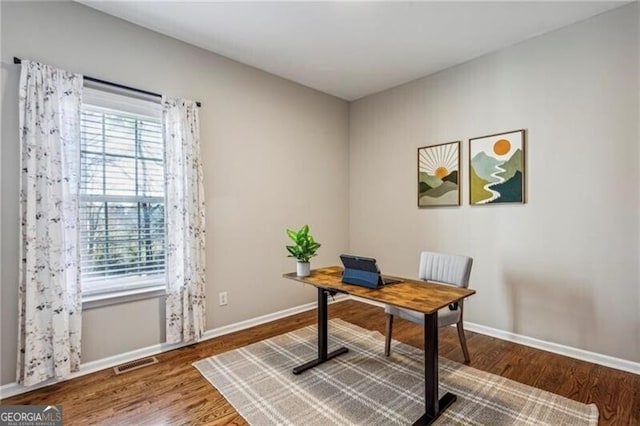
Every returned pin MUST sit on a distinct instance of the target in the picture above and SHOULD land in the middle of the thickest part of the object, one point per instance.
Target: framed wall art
(439, 175)
(496, 168)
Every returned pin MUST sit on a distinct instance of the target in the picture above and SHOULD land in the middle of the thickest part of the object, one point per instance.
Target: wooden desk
(420, 296)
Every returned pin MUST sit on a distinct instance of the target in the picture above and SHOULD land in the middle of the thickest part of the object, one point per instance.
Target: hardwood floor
(174, 393)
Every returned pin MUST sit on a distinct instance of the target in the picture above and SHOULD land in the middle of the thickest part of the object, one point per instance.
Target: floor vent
(133, 365)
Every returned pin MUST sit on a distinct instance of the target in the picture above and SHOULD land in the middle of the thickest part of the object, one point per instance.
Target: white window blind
(122, 226)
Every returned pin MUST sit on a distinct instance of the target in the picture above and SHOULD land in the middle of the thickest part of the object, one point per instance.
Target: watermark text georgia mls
(30, 415)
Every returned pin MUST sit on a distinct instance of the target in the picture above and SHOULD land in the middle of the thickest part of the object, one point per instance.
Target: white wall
(275, 155)
(564, 266)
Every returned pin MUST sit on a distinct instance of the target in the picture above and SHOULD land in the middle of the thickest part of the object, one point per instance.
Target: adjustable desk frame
(433, 406)
(323, 339)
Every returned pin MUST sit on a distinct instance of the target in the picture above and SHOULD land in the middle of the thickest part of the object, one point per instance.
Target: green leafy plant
(305, 246)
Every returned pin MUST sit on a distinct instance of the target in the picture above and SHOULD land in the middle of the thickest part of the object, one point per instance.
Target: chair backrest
(446, 268)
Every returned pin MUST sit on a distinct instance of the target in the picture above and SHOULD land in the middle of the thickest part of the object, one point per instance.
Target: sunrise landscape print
(438, 175)
(496, 172)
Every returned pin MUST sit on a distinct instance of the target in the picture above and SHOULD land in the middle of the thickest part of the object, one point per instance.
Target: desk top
(421, 296)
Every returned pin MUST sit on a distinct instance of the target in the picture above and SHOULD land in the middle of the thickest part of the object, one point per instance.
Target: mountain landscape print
(438, 175)
(496, 169)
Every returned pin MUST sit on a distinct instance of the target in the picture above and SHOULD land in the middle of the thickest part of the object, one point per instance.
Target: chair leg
(387, 338)
(463, 342)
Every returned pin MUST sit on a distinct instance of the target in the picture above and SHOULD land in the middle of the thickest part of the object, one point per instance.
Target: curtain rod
(18, 61)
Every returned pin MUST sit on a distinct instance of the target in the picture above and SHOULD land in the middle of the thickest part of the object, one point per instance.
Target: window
(122, 194)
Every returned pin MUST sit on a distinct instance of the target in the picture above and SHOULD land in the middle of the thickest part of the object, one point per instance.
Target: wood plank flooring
(174, 393)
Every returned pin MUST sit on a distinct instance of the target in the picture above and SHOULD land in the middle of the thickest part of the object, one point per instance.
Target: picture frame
(439, 175)
(497, 168)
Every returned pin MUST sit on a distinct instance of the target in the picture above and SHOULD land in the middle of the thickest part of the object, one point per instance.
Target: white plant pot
(303, 269)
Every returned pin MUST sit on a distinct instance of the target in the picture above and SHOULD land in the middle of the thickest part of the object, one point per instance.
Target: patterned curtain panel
(49, 290)
(185, 307)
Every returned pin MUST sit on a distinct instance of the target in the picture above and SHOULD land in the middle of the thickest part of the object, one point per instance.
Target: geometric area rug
(363, 387)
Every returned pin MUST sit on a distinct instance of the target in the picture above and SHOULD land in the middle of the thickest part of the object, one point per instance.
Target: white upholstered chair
(445, 269)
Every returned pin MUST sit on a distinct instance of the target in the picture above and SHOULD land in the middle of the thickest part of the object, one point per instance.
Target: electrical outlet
(223, 298)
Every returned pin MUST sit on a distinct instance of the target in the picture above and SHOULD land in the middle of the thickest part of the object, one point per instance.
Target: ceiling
(352, 49)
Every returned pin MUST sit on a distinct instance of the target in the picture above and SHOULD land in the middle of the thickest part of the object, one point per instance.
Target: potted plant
(304, 249)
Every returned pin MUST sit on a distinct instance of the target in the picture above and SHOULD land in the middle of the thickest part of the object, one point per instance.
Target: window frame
(122, 289)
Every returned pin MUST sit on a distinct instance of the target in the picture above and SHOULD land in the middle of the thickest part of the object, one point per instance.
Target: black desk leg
(433, 406)
(323, 325)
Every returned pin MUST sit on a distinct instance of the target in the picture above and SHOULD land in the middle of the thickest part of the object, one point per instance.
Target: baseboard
(231, 328)
(12, 389)
(571, 352)
(370, 302)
